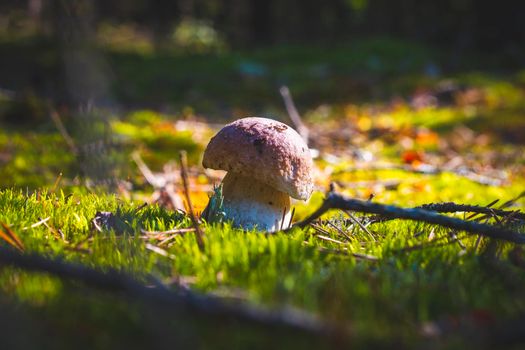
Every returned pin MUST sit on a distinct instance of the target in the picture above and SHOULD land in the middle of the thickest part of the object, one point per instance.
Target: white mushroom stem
(250, 203)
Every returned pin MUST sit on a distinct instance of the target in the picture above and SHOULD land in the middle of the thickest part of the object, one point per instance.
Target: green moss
(275, 270)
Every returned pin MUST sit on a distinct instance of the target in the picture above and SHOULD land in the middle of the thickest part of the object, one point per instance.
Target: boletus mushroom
(267, 162)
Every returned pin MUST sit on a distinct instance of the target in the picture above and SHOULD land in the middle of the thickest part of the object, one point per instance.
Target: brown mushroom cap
(265, 149)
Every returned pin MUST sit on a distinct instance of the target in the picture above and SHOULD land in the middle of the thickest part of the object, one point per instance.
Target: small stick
(63, 131)
(142, 206)
(168, 232)
(151, 178)
(473, 215)
(284, 217)
(159, 251)
(291, 217)
(13, 235)
(175, 199)
(168, 239)
(184, 174)
(293, 113)
(451, 207)
(512, 201)
(60, 235)
(57, 181)
(328, 239)
(356, 221)
(10, 237)
(320, 229)
(337, 201)
(36, 224)
(339, 230)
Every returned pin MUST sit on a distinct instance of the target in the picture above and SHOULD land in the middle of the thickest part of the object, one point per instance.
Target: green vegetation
(380, 301)
(383, 126)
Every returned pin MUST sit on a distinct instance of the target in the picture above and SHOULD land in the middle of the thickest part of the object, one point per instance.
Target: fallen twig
(339, 230)
(165, 236)
(58, 234)
(10, 237)
(512, 201)
(450, 207)
(163, 184)
(159, 251)
(195, 222)
(63, 131)
(182, 299)
(168, 232)
(301, 128)
(36, 224)
(328, 239)
(359, 223)
(152, 179)
(57, 182)
(473, 215)
(337, 201)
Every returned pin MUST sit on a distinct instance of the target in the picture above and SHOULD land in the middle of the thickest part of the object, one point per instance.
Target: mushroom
(267, 162)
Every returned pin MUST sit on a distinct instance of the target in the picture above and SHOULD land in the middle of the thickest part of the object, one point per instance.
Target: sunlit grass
(383, 300)
(399, 292)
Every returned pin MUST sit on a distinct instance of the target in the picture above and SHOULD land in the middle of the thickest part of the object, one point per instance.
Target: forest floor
(100, 188)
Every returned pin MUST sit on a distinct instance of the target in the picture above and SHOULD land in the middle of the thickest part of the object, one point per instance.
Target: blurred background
(99, 79)
(408, 102)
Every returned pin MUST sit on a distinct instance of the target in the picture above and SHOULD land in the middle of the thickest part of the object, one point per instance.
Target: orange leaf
(411, 157)
(427, 138)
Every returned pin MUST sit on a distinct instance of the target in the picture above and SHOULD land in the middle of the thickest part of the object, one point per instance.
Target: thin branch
(185, 182)
(283, 218)
(63, 131)
(450, 207)
(180, 300)
(337, 201)
(301, 128)
(10, 237)
(57, 182)
(512, 201)
(168, 232)
(359, 223)
(36, 224)
(291, 217)
(341, 232)
(13, 236)
(152, 179)
(328, 239)
(159, 251)
(473, 215)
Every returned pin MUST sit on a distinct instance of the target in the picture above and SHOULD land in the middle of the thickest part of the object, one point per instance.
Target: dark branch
(450, 207)
(185, 182)
(182, 299)
(337, 201)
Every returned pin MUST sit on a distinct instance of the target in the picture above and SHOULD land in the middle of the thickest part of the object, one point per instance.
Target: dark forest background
(214, 55)
(462, 24)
